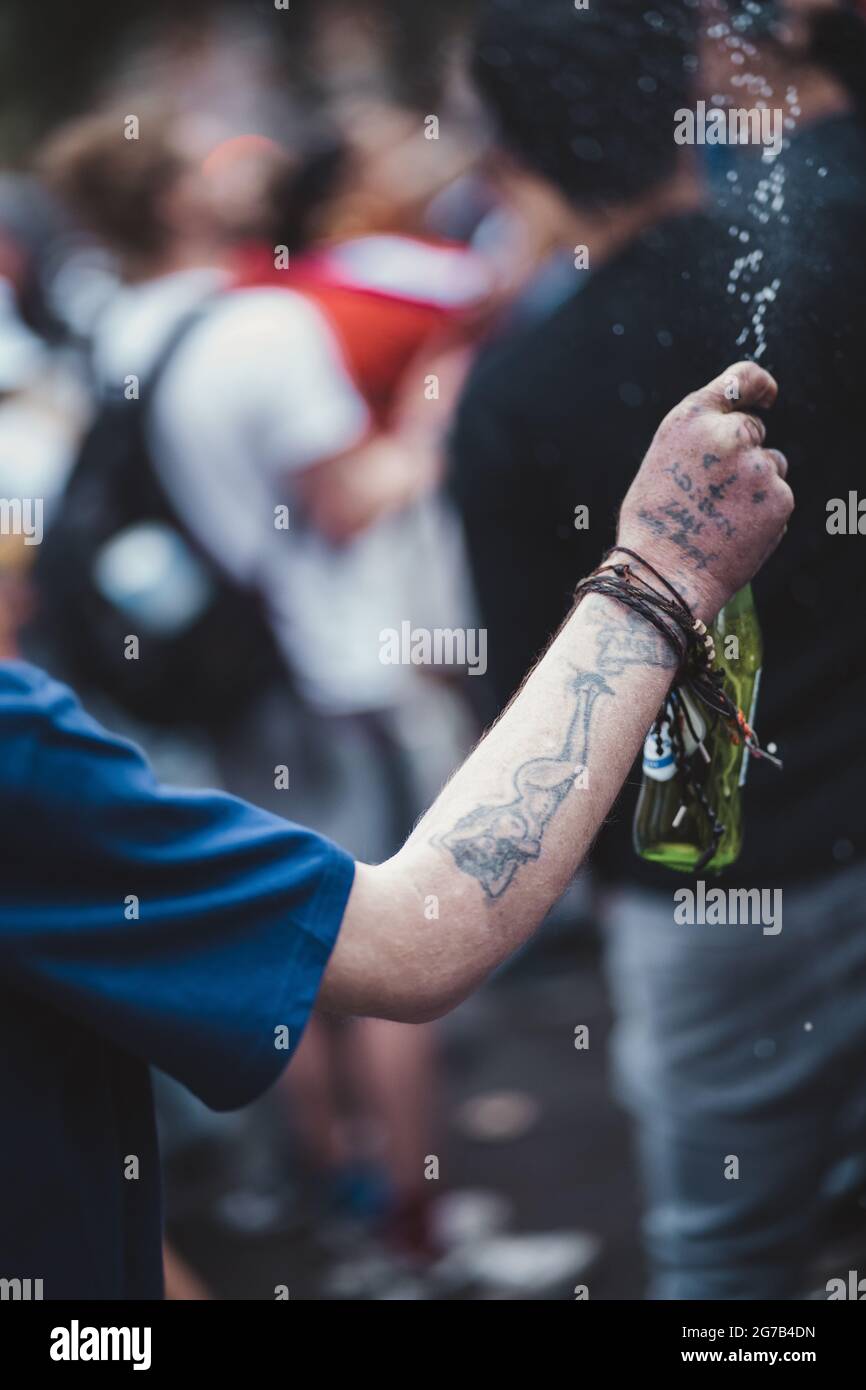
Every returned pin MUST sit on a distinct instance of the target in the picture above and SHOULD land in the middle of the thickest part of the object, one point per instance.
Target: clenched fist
(709, 502)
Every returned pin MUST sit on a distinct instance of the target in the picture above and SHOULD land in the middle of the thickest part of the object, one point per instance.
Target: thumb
(741, 387)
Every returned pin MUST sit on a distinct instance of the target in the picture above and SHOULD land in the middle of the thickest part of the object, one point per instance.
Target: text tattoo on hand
(699, 505)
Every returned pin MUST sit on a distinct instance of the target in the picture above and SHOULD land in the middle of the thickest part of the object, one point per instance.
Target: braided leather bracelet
(696, 673)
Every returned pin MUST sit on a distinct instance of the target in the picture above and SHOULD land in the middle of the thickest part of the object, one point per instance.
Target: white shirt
(258, 390)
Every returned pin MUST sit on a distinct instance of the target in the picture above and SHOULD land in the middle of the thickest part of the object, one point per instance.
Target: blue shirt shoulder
(189, 927)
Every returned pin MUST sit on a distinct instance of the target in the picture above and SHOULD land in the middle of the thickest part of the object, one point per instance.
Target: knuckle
(779, 460)
(753, 430)
(758, 463)
(782, 505)
(686, 410)
(729, 435)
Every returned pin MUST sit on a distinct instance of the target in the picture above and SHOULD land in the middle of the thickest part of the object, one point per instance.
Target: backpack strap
(177, 335)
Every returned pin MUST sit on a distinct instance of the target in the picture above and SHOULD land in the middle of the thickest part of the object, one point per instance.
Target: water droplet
(630, 393)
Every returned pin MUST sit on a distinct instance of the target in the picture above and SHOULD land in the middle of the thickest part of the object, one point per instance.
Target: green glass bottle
(671, 827)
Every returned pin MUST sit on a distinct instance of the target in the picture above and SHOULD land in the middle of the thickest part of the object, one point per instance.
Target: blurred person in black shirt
(727, 1043)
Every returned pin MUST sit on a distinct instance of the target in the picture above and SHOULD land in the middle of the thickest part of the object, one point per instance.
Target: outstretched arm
(506, 835)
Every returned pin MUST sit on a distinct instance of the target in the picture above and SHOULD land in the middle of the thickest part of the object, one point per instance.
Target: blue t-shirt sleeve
(189, 928)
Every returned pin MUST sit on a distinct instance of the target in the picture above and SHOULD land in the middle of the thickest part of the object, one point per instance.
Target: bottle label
(660, 766)
(745, 764)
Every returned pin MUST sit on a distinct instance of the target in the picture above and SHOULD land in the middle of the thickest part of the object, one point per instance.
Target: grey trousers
(741, 1056)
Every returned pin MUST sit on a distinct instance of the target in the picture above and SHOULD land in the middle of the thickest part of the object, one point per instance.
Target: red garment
(381, 313)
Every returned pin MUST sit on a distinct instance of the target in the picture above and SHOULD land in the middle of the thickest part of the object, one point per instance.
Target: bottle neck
(742, 602)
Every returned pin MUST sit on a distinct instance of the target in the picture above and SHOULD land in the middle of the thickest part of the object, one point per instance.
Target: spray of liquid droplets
(764, 204)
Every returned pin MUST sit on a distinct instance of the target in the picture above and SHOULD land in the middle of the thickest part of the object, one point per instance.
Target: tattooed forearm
(628, 640)
(491, 842)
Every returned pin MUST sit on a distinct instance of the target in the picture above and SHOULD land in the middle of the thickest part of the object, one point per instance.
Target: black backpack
(203, 658)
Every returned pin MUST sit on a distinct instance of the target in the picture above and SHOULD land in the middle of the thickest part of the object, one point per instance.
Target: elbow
(423, 1006)
(415, 993)
(428, 990)
(391, 962)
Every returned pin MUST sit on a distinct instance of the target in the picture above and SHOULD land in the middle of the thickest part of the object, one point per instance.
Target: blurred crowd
(294, 355)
